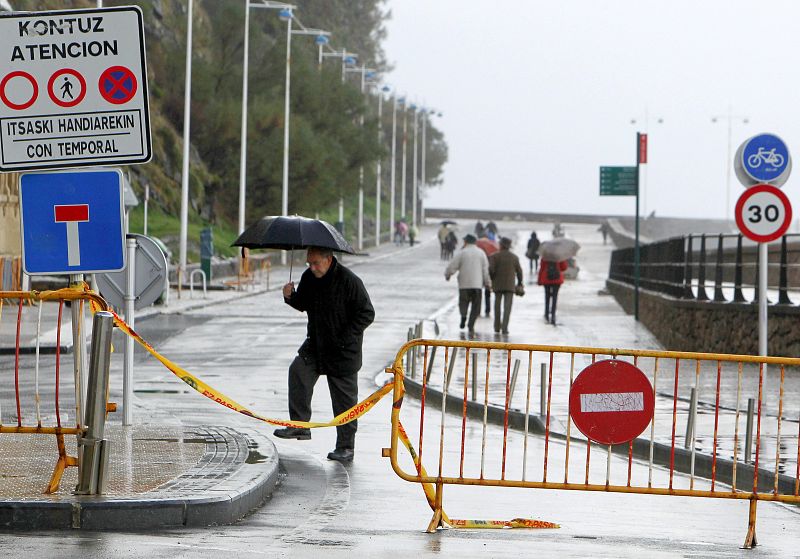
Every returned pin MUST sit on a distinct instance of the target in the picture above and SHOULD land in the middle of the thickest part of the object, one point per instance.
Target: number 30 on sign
(763, 213)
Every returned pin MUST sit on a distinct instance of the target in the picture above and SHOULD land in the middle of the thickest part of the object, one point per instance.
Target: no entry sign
(73, 89)
(763, 213)
(611, 402)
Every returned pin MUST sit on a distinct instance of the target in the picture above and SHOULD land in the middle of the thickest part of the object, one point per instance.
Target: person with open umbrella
(339, 310)
(555, 254)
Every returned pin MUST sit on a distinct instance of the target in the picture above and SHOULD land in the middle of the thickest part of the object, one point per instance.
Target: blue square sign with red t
(72, 222)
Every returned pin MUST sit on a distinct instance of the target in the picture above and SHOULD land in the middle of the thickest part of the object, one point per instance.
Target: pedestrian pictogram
(72, 222)
(763, 213)
(117, 85)
(611, 402)
(19, 90)
(66, 87)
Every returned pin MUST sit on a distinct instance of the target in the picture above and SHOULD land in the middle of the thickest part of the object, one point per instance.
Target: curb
(237, 473)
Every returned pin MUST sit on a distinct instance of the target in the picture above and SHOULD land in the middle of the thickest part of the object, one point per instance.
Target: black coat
(339, 310)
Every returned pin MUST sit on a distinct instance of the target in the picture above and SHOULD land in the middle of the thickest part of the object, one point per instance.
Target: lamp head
(321, 40)
(285, 14)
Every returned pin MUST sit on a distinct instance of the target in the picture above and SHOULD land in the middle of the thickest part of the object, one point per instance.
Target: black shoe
(505, 332)
(553, 321)
(343, 455)
(293, 433)
(471, 333)
(463, 322)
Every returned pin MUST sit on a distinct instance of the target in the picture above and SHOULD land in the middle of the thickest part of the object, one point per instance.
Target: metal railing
(38, 409)
(719, 268)
(477, 384)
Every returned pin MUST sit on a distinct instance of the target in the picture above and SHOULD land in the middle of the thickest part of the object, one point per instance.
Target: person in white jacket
(473, 275)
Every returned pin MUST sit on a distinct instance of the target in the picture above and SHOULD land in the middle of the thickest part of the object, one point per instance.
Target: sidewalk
(161, 473)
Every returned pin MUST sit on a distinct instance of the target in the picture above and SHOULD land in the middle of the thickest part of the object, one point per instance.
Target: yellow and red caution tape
(345, 417)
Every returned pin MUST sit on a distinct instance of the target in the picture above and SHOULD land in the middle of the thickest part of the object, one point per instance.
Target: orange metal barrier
(475, 386)
(28, 407)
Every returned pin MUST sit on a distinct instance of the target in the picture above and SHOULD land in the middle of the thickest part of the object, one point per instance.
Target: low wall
(706, 326)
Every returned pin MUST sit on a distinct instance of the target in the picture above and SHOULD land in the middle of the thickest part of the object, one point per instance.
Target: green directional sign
(617, 181)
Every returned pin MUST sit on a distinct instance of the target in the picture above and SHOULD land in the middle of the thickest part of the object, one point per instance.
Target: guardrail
(37, 410)
(720, 268)
(470, 374)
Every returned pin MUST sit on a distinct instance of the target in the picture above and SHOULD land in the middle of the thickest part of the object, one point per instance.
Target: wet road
(321, 507)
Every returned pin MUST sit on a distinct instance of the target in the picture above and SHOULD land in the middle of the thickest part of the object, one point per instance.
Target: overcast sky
(536, 95)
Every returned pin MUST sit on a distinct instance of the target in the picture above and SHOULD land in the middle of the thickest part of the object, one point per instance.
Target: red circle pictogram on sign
(64, 96)
(117, 85)
(763, 213)
(611, 402)
(5, 82)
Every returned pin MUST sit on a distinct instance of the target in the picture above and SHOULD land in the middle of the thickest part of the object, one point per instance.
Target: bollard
(430, 364)
(691, 418)
(93, 448)
(450, 369)
(474, 377)
(130, 318)
(687, 271)
(543, 391)
(748, 437)
(513, 381)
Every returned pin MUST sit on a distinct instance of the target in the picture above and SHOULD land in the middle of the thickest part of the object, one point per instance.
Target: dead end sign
(73, 89)
(611, 402)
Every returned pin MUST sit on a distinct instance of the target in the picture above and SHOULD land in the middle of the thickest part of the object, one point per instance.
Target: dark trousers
(550, 300)
(487, 296)
(502, 302)
(303, 376)
(467, 297)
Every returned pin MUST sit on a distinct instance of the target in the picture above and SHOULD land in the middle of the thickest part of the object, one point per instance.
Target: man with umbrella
(339, 310)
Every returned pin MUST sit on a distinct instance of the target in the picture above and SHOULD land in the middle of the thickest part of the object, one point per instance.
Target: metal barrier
(30, 406)
(477, 382)
(191, 283)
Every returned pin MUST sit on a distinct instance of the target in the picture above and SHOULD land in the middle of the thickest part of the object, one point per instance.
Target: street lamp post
(403, 159)
(394, 164)
(378, 168)
(728, 161)
(185, 167)
(643, 183)
(414, 182)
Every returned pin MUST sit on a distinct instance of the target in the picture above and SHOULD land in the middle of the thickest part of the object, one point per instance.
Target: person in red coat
(551, 276)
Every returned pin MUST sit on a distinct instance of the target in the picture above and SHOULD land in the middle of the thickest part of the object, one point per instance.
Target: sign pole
(763, 278)
(79, 350)
(636, 242)
(130, 299)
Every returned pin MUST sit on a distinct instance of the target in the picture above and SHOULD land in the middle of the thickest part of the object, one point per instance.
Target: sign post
(73, 89)
(763, 213)
(624, 181)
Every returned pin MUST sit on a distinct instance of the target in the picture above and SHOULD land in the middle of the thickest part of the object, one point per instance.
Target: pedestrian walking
(442, 233)
(412, 234)
(532, 253)
(504, 269)
(339, 310)
(450, 245)
(473, 274)
(489, 247)
(551, 276)
(604, 229)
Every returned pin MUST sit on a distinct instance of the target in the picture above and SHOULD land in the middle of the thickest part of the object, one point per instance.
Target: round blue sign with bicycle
(765, 158)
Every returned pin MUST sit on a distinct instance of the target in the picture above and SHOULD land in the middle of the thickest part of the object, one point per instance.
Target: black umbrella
(291, 232)
(447, 222)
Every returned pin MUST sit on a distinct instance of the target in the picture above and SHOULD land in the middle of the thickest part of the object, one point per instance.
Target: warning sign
(73, 89)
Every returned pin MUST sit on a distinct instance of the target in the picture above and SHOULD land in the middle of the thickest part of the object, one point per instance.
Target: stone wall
(706, 326)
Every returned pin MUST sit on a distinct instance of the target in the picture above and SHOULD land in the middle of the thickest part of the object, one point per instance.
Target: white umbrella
(558, 249)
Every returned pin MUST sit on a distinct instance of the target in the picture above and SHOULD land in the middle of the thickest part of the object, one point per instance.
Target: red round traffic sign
(763, 213)
(61, 91)
(611, 402)
(6, 82)
(117, 85)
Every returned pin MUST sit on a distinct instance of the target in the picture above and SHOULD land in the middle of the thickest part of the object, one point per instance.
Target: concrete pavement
(245, 349)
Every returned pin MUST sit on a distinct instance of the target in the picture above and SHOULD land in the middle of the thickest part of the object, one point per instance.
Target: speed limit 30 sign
(763, 213)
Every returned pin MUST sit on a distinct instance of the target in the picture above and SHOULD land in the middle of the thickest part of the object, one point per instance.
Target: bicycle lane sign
(763, 159)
